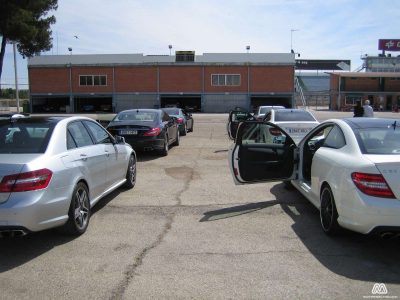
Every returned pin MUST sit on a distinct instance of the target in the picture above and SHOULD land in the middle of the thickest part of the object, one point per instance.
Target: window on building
(92, 80)
(225, 79)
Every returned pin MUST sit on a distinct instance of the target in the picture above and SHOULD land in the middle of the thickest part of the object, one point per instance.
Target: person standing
(358, 109)
(368, 110)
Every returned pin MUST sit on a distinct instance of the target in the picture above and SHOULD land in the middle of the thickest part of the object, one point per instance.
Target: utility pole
(16, 76)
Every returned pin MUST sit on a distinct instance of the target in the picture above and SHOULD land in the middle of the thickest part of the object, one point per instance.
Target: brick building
(381, 88)
(212, 82)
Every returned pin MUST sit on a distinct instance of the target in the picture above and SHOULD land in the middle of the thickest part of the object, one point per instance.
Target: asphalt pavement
(187, 232)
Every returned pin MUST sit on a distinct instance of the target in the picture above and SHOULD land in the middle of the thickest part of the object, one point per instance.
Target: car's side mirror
(119, 139)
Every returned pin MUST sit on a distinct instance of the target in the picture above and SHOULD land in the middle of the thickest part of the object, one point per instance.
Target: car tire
(328, 213)
(183, 133)
(288, 185)
(177, 139)
(164, 151)
(131, 173)
(79, 211)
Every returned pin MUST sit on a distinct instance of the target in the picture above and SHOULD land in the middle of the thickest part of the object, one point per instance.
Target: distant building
(381, 88)
(212, 82)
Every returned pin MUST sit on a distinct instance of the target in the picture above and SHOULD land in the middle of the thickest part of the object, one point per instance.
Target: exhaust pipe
(387, 235)
(12, 233)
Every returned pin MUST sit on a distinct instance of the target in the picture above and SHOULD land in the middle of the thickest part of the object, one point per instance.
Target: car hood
(389, 166)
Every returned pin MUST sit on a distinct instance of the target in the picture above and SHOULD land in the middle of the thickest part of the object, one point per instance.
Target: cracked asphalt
(187, 232)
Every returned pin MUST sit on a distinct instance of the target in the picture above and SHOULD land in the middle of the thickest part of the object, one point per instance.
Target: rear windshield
(25, 137)
(146, 116)
(172, 111)
(293, 115)
(265, 110)
(379, 140)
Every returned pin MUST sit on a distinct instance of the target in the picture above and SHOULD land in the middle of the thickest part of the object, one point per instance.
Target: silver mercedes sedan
(53, 170)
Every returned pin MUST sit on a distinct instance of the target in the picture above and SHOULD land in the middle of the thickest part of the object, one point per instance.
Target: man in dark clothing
(358, 109)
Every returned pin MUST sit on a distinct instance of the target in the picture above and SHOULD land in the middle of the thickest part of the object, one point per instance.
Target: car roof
(34, 119)
(360, 123)
(142, 110)
(43, 119)
(271, 106)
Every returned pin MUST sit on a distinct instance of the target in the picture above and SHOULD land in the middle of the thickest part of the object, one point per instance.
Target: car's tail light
(372, 185)
(275, 131)
(180, 120)
(153, 132)
(28, 181)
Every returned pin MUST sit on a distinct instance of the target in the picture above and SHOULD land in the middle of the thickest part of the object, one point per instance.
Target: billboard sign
(323, 64)
(389, 45)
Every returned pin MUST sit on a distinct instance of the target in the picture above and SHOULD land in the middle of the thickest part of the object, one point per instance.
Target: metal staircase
(299, 92)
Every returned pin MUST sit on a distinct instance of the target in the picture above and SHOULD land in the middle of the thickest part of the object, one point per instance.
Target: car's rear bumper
(145, 144)
(34, 211)
(367, 214)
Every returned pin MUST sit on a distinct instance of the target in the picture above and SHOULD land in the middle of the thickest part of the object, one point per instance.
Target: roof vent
(184, 56)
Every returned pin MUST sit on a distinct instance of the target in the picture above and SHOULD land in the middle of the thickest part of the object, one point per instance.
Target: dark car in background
(146, 129)
(183, 118)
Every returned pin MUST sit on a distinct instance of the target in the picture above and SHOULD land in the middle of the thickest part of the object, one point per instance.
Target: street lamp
(70, 50)
(248, 49)
(170, 47)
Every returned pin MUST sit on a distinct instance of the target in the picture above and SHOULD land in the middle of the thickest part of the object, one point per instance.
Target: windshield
(25, 137)
(267, 109)
(379, 140)
(171, 111)
(293, 115)
(146, 116)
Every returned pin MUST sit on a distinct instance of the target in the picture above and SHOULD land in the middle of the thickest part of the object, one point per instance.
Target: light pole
(170, 48)
(291, 38)
(16, 76)
(248, 49)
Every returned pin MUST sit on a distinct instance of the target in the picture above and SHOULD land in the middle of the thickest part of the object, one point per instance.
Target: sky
(329, 29)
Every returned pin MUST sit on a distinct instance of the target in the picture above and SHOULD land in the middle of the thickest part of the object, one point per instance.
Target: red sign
(389, 45)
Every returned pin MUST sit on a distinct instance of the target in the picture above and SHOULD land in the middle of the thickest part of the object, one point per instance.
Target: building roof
(135, 59)
(366, 74)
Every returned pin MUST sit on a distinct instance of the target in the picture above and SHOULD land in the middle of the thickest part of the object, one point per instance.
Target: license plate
(298, 130)
(128, 132)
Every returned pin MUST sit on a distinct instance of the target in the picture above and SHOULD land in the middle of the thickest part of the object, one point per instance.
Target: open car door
(235, 117)
(262, 152)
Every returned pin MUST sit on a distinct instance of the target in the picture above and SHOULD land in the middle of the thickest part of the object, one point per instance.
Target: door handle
(84, 157)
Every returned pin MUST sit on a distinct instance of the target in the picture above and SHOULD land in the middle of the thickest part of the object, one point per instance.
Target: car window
(70, 141)
(100, 134)
(79, 134)
(136, 115)
(172, 111)
(379, 140)
(260, 133)
(25, 137)
(293, 115)
(334, 139)
(165, 117)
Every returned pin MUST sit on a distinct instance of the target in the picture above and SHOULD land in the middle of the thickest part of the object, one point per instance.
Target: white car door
(262, 152)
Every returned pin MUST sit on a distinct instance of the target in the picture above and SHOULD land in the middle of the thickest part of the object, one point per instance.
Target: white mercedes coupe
(348, 168)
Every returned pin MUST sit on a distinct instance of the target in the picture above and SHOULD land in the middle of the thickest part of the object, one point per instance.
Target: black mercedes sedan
(146, 129)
